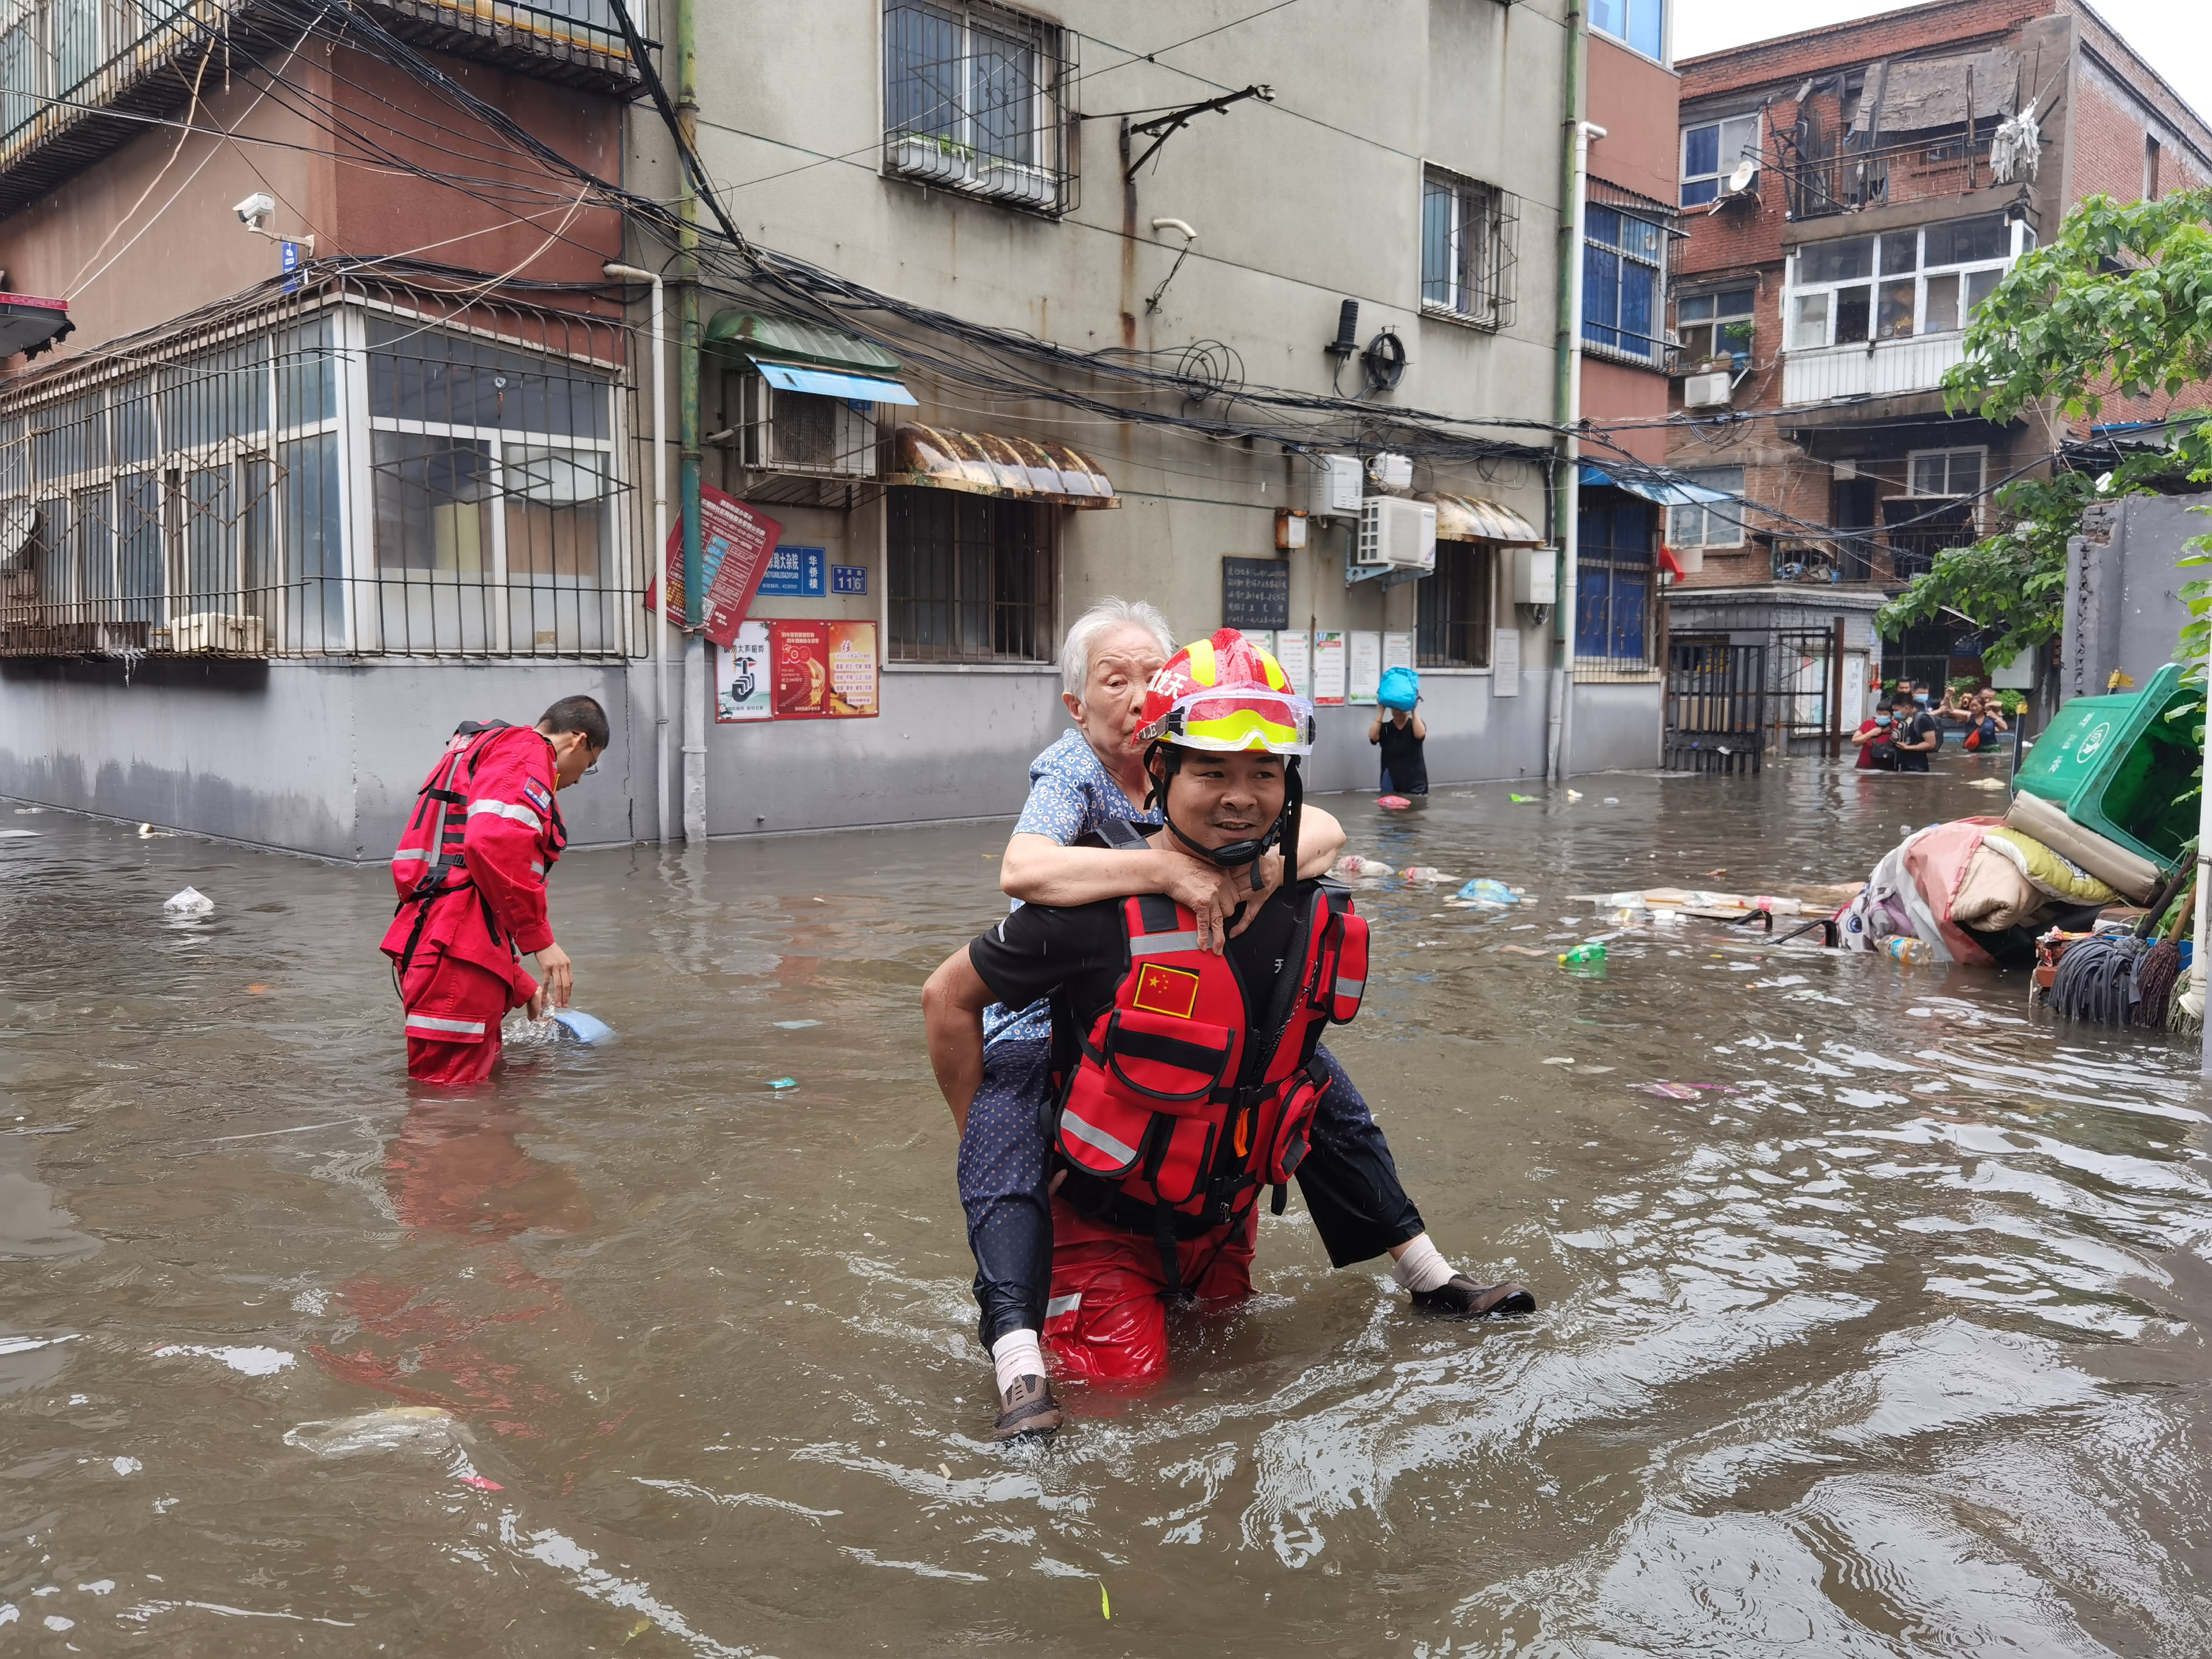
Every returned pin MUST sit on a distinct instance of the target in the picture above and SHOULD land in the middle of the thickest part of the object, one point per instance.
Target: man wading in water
(1349, 1181)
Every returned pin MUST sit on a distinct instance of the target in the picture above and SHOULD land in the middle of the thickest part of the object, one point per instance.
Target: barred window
(1624, 277)
(1613, 581)
(1469, 234)
(1453, 621)
(970, 578)
(972, 101)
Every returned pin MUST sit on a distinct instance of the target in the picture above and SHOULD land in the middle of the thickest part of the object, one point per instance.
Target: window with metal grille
(972, 101)
(1624, 280)
(970, 578)
(1614, 582)
(1709, 523)
(1453, 621)
(1469, 239)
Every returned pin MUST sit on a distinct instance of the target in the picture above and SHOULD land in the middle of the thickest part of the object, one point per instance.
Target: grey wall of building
(2124, 608)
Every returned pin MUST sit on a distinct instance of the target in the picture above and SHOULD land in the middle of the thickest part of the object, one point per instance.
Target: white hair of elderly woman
(1101, 619)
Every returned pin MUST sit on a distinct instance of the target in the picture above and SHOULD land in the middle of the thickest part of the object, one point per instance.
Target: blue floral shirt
(1071, 794)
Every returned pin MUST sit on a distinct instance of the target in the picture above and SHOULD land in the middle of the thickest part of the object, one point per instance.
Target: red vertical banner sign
(735, 542)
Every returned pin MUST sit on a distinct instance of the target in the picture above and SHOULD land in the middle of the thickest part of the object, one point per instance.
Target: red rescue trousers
(1107, 1321)
(453, 1011)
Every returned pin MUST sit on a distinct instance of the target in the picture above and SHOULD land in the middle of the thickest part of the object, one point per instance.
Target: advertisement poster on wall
(1366, 674)
(735, 543)
(825, 670)
(1328, 667)
(742, 677)
(1292, 652)
(1397, 651)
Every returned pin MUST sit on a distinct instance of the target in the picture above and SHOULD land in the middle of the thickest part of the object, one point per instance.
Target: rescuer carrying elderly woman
(1182, 1079)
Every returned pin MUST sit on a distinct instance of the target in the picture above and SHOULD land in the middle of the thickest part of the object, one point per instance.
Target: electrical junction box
(1706, 391)
(1395, 534)
(1392, 472)
(1536, 575)
(1290, 528)
(1337, 486)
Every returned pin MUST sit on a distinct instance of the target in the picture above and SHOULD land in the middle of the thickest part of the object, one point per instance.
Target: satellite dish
(18, 518)
(1739, 180)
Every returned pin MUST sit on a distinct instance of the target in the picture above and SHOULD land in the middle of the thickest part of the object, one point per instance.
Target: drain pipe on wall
(687, 425)
(1567, 397)
(657, 557)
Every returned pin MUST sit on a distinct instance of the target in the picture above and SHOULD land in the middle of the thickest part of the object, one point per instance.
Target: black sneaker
(1461, 1298)
(1027, 1411)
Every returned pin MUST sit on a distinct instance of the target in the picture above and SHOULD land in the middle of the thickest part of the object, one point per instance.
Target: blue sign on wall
(794, 573)
(849, 578)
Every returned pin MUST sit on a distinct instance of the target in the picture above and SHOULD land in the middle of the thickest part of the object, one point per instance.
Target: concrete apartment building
(1016, 323)
(1851, 194)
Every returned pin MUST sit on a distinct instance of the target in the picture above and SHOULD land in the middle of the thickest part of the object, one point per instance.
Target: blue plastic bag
(582, 1027)
(1401, 689)
(1484, 890)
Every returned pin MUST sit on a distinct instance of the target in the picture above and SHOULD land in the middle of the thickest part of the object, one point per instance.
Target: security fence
(353, 470)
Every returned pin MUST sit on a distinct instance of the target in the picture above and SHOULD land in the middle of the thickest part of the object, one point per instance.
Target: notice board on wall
(742, 676)
(1364, 680)
(1328, 667)
(823, 670)
(735, 543)
(1255, 594)
(1506, 662)
(1292, 650)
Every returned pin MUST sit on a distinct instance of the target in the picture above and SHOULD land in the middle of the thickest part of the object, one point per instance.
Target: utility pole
(1567, 396)
(687, 436)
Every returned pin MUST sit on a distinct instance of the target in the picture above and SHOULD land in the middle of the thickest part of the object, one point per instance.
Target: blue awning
(1682, 494)
(827, 383)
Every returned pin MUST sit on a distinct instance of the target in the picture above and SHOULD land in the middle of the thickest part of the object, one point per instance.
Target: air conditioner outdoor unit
(1338, 487)
(1395, 534)
(800, 432)
(1706, 391)
(215, 630)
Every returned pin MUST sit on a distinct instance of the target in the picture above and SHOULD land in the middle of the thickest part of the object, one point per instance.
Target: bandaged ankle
(1017, 1355)
(1423, 1266)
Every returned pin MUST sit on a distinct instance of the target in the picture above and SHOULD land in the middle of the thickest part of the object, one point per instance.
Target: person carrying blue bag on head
(1401, 732)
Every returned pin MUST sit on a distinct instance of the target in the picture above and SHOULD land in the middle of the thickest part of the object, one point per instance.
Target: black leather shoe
(1027, 1411)
(1461, 1298)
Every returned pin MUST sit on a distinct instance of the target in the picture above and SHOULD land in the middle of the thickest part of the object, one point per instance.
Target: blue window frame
(1638, 24)
(1613, 578)
(1622, 277)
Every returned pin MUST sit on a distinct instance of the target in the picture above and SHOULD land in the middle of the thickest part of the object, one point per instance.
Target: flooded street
(1891, 1344)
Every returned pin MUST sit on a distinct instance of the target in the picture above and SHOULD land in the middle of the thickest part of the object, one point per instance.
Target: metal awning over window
(1667, 493)
(800, 357)
(1475, 518)
(985, 464)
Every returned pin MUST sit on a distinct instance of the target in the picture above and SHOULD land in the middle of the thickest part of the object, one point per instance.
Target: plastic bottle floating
(1904, 947)
(1352, 864)
(1583, 957)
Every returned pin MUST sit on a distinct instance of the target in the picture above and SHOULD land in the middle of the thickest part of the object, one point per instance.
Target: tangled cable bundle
(2155, 973)
(2096, 980)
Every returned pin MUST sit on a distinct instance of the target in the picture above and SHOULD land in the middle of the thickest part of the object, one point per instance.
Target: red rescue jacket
(470, 867)
(1176, 1104)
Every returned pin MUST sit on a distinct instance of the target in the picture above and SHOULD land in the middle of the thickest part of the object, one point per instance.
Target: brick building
(1852, 194)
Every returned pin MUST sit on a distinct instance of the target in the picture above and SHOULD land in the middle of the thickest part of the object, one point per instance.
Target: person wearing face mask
(1872, 740)
(470, 872)
(1351, 1185)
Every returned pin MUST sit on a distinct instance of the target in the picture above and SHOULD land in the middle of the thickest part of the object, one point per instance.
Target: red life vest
(1176, 1102)
(429, 865)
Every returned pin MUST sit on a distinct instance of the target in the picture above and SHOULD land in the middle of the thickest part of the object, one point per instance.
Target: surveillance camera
(255, 207)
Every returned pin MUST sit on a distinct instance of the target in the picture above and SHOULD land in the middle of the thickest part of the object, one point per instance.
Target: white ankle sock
(1017, 1355)
(1423, 1267)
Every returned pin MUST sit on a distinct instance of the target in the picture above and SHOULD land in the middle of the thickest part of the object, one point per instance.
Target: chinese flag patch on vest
(1166, 991)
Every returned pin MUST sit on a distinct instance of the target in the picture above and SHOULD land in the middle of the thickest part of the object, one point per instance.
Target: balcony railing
(77, 77)
(1926, 167)
(1880, 368)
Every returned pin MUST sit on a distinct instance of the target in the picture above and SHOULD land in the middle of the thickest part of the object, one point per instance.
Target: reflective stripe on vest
(430, 1022)
(506, 810)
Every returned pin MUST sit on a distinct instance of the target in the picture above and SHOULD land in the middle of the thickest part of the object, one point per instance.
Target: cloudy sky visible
(2173, 36)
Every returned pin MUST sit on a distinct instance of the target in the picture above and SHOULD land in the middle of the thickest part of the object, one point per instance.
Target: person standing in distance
(1401, 732)
(471, 875)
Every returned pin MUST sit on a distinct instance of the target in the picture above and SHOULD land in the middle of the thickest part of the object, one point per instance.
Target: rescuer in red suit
(471, 874)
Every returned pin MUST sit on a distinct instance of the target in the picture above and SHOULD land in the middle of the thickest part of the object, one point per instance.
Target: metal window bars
(355, 472)
(1470, 249)
(975, 100)
(1454, 613)
(970, 578)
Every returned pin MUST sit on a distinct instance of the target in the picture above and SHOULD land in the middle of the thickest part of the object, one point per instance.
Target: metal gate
(1715, 705)
(1804, 671)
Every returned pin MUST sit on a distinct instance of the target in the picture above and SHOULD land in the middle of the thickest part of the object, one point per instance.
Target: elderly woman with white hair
(1090, 778)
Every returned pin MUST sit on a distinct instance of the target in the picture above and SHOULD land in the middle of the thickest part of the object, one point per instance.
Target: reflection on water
(1874, 1332)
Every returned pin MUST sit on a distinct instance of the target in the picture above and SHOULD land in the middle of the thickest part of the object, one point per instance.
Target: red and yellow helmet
(1227, 694)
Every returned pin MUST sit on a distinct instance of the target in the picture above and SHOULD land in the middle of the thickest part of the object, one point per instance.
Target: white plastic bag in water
(189, 902)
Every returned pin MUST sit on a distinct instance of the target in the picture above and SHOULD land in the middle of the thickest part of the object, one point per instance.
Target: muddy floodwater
(1888, 1343)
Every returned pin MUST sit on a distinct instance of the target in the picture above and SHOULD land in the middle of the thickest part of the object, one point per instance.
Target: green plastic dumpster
(2116, 765)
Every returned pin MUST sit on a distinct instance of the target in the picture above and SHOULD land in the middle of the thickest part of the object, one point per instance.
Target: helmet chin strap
(1239, 853)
